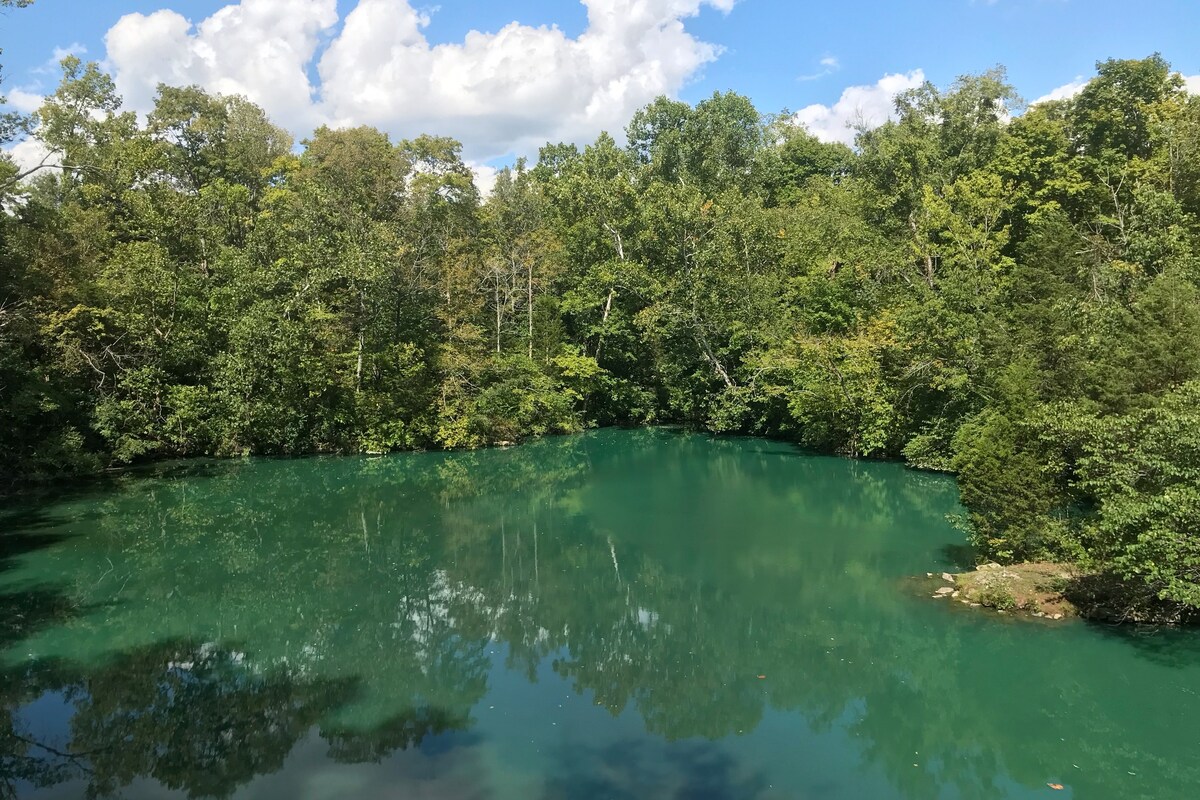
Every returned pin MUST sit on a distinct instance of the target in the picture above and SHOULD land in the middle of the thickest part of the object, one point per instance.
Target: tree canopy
(1010, 293)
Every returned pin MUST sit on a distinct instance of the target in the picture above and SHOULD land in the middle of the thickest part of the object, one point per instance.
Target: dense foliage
(1011, 297)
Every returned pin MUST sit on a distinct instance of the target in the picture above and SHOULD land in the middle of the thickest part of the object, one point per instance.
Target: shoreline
(1035, 589)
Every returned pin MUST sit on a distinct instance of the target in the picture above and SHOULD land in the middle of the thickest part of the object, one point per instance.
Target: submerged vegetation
(1009, 296)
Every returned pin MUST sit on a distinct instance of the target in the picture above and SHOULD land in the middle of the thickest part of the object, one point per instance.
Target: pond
(622, 614)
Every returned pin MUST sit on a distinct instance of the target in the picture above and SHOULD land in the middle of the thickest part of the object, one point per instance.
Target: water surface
(625, 614)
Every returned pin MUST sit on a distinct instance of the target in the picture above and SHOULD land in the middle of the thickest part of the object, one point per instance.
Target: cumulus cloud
(484, 177)
(30, 154)
(73, 49)
(1067, 90)
(1191, 84)
(50, 67)
(500, 93)
(257, 48)
(24, 101)
(512, 90)
(859, 106)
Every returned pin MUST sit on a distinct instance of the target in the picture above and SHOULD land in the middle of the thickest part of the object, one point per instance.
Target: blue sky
(308, 63)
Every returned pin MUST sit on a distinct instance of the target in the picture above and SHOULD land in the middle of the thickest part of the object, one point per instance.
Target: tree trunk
(928, 257)
(702, 341)
(362, 314)
(496, 295)
(358, 369)
(604, 320)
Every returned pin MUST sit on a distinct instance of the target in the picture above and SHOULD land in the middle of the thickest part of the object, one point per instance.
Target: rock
(955, 594)
(945, 590)
(1057, 616)
(947, 577)
(928, 574)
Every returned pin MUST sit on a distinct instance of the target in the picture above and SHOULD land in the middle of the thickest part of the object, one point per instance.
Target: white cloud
(512, 90)
(865, 106)
(257, 48)
(484, 177)
(23, 101)
(30, 154)
(50, 67)
(73, 49)
(1067, 90)
(500, 93)
(829, 65)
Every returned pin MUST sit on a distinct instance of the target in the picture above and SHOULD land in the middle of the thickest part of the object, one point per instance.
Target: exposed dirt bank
(1033, 589)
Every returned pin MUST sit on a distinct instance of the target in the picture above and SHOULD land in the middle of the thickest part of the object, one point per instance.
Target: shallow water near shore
(622, 614)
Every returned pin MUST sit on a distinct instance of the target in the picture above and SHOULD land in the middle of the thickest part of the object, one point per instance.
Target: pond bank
(1031, 589)
(1055, 591)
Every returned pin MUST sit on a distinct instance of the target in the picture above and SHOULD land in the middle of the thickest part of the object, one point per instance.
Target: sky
(504, 77)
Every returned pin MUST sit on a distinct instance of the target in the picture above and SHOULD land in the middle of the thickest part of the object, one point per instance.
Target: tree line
(1009, 296)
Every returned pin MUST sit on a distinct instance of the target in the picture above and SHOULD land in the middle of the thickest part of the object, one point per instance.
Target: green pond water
(624, 614)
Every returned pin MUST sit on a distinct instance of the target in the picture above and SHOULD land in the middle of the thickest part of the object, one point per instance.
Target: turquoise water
(624, 614)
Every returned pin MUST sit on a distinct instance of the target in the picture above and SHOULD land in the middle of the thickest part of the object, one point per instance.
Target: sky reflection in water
(586, 617)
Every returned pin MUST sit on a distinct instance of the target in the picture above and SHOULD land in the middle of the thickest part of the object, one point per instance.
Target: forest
(1005, 292)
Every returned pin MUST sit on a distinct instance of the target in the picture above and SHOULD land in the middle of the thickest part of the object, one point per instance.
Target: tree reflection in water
(199, 624)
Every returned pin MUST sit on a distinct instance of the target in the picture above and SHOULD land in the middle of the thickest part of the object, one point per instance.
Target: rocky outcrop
(1033, 589)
